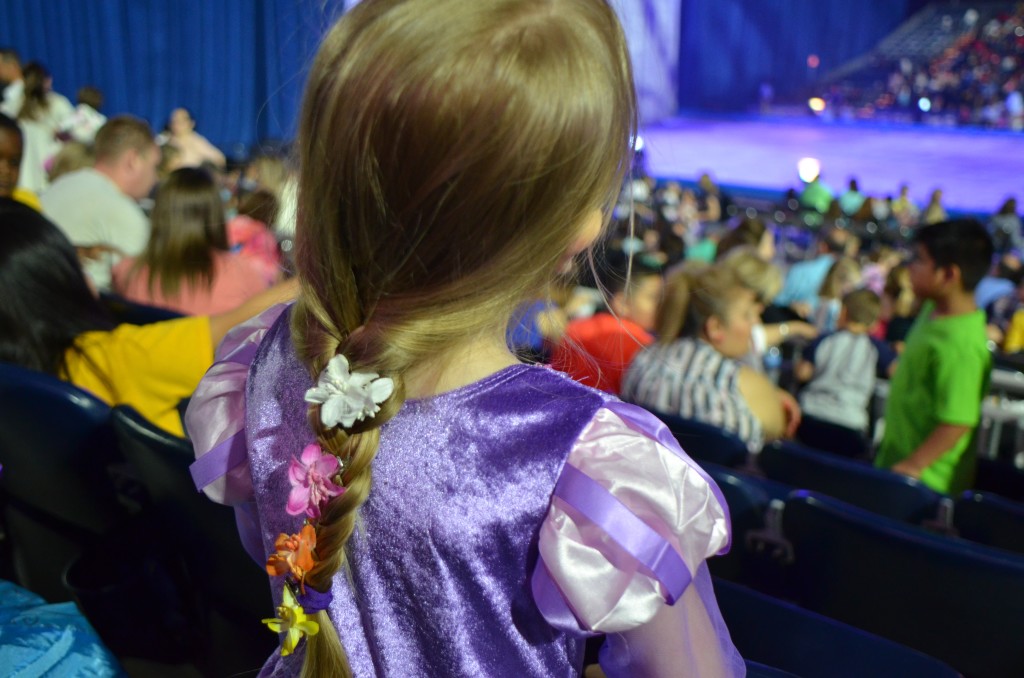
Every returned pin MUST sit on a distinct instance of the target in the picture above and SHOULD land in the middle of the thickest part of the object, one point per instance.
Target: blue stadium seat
(956, 601)
(999, 477)
(706, 442)
(235, 591)
(991, 520)
(857, 483)
(790, 638)
(56, 446)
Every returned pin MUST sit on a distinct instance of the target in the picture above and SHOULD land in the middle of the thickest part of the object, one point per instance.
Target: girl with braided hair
(425, 504)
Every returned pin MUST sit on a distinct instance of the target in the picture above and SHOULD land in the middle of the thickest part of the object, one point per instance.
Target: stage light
(925, 104)
(813, 61)
(817, 104)
(808, 169)
(639, 143)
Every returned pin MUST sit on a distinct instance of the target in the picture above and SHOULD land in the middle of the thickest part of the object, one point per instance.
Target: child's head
(760, 276)
(750, 232)
(90, 96)
(453, 155)
(709, 303)
(861, 307)
(633, 291)
(950, 258)
(11, 145)
(840, 279)
(72, 157)
(187, 226)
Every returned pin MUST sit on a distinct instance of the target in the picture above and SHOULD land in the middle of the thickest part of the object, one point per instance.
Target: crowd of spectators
(975, 81)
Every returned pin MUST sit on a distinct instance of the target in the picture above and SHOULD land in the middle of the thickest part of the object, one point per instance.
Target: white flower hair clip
(347, 397)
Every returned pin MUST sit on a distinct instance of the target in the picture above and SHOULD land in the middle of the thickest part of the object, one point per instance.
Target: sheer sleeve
(215, 419)
(623, 549)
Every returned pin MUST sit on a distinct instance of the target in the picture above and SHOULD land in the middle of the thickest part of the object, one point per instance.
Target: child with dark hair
(935, 399)
(597, 350)
(12, 143)
(841, 368)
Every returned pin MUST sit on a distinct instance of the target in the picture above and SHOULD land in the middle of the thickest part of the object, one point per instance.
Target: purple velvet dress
(476, 522)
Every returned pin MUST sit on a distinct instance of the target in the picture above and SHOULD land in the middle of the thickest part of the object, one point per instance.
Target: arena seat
(790, 638)
(956, 601)
(56, 447)
(857, 483)
(991, 520)
(235, 591)
(706, 442)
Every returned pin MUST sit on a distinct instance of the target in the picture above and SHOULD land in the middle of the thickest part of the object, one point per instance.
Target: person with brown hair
(693, 370)
(96, 207)
(40, 117)
(415, 485)
(187, 265)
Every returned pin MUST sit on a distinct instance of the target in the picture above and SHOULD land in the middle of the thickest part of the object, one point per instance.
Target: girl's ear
(714, 328)
(588, 231)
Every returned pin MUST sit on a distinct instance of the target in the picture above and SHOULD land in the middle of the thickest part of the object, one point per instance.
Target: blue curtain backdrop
(238, 65)
(729, 47)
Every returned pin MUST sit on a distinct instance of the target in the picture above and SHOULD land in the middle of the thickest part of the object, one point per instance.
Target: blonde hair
(761, 277)
(449, 151)
(72, 157)
(694, 296)
(841, 278)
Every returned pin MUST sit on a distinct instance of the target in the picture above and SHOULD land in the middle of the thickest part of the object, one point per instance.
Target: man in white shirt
(96, 207)
(14, 87)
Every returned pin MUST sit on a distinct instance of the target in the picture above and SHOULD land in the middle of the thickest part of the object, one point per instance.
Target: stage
(976, 169)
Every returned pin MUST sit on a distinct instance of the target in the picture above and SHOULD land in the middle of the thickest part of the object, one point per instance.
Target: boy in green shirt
(935, 398)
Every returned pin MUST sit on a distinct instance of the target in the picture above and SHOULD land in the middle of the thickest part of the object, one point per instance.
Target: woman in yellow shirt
(51, 321)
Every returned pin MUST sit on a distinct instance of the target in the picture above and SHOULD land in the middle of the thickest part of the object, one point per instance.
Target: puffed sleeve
(215, 419)
(623, 549)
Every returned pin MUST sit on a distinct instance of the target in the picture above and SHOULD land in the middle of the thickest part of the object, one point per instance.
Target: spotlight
(925, 104)
(808, 169)
(816, 104)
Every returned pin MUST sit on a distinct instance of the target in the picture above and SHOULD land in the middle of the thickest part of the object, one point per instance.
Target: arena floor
(977, 170)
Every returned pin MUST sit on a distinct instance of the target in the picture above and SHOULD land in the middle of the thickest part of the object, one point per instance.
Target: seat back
(991, 520)
(56, 447)
(999, 477)
(235, 589)
(946, 597)
(882, 492)
(706, 442)
(787, 637)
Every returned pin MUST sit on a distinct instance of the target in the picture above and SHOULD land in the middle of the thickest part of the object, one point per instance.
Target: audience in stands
(42, 113)
(804, 279)
(188, 266)
(935, 398)
(840, 368)
(934, 212)
(1005, 228)
(750, 232)
(899, 307)
(852, 200)
(250, 234)
(842, 278)
(86, 120)
(693, 370)
(96, 207)
(192, 149)
(597, 350)
(51, 321)
(11, 145)
(13, 84)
